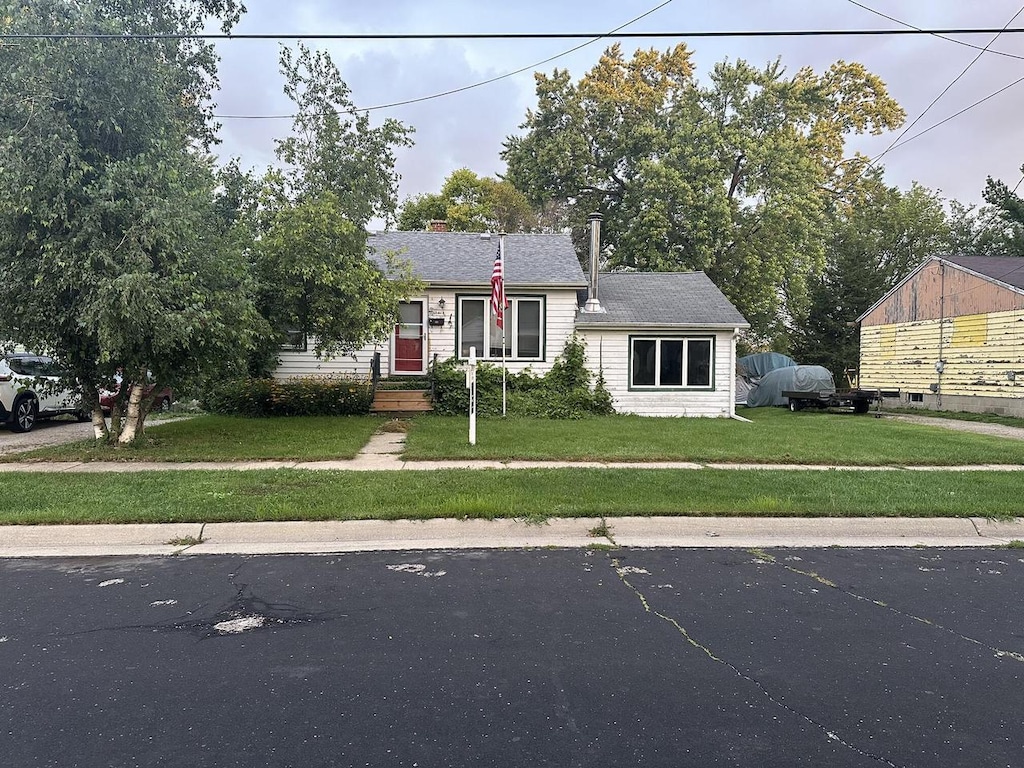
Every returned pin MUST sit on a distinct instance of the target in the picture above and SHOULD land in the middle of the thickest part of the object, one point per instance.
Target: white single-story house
(665, 342)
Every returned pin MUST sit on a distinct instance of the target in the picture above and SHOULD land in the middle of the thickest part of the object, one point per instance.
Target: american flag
(498, 301)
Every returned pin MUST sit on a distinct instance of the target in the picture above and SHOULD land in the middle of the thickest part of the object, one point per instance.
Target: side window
(672, 362)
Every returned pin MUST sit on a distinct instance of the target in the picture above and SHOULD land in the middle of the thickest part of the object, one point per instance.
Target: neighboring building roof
(661, 299)
(467, 258)
(1004, 269)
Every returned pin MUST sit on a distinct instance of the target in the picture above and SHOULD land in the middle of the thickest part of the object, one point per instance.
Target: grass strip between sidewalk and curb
(292, 494)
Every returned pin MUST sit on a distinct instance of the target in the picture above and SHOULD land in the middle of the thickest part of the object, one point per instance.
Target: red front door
(408, 356)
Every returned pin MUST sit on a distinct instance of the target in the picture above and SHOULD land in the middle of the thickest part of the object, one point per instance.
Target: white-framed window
(671, 362)
(524, 328)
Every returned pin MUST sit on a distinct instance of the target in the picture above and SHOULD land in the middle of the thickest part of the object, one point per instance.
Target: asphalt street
(544, 657)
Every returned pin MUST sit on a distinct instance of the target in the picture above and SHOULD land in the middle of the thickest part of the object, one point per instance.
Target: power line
(935, 34)
(521, 69)
(946, 89)
(954, 115)
(913, 31)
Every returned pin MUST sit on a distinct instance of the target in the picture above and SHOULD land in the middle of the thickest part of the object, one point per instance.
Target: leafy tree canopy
(735, 177)
(114, 254)
(471, 203)
(872, 242)
(310, 218)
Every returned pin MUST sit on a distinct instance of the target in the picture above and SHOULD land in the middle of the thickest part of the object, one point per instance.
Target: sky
(468, 129)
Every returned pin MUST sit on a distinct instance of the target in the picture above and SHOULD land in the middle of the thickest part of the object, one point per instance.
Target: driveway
(979, 427)
(46, 432)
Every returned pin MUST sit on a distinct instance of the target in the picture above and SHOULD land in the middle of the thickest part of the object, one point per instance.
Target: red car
(163, 401)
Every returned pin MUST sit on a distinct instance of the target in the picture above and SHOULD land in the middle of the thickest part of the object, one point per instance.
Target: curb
(193, 539)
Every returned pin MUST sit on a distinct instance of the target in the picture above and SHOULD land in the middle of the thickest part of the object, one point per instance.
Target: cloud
(468, 129)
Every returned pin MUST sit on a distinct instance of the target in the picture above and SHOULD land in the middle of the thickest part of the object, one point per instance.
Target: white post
(471, 384)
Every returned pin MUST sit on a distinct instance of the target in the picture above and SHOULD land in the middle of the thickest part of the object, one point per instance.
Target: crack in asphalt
(770, 559)
(829, 734)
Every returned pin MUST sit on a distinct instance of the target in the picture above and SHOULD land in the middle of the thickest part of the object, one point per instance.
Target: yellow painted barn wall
(978, 351)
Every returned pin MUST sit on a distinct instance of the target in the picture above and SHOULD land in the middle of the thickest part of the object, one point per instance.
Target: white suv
(31, 389)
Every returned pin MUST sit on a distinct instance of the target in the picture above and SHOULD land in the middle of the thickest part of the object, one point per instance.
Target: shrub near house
(308, 396)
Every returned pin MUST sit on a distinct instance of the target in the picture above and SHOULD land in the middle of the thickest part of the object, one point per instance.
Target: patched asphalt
(542, 657)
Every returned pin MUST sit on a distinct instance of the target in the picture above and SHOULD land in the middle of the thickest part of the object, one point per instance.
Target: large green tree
(471, 203)
(873, 241)
(734, 177)
(309, 221)
(113, 253)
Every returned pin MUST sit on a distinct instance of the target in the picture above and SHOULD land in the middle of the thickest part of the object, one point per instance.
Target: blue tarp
(753, 367)
(813, 379)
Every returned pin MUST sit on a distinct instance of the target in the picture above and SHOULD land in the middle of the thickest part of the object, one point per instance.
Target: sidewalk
(382, 453)
(398, 535)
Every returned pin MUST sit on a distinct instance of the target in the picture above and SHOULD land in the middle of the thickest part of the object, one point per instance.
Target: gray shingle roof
(465, 258)
(1005, 269)
(661, 299)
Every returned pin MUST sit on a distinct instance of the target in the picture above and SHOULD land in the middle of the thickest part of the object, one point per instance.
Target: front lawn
(196, 496)
(776, 436)
(228, 438)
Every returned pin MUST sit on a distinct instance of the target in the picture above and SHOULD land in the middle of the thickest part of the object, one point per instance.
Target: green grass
(776, 436)
(227, 438)
(197, 496)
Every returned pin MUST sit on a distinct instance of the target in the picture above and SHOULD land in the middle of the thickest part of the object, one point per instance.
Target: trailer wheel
(861, 406)
(795, 405)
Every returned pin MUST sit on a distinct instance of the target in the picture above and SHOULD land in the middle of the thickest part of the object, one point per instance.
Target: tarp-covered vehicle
(775, 379)
(776, 387)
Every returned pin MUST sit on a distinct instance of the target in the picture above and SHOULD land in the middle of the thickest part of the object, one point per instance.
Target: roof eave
(619, 325)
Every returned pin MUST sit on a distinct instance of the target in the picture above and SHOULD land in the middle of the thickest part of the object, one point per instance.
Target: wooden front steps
(401, 401)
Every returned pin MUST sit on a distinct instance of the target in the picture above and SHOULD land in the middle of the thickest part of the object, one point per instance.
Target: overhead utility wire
(934, 34)
(946, 89)
(521, 69)
(465, 87)
(526, 35)
(899, 143)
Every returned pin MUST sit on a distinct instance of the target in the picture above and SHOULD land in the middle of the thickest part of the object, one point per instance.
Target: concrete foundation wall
(1002, 406)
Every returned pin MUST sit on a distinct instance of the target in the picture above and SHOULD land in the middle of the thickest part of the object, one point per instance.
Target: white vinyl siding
(557, 321)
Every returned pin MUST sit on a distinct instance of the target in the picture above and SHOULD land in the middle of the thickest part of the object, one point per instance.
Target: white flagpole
(501, 247)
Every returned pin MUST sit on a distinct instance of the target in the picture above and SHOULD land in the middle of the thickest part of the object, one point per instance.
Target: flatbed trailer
(859, 400)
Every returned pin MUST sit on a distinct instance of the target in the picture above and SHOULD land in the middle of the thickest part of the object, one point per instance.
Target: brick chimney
(437, 225)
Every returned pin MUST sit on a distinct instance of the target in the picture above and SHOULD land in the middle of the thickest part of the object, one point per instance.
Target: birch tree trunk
(131, 427)
(99, 424)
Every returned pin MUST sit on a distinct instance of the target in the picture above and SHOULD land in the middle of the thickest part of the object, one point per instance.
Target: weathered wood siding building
(950, 336)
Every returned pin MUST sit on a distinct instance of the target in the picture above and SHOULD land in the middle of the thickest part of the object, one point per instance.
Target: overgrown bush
(563, 393)
(309, 396)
